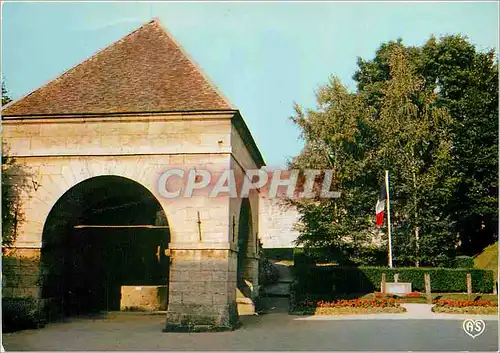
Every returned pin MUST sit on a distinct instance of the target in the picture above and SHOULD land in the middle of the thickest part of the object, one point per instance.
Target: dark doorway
(244, 235)
(103, 233)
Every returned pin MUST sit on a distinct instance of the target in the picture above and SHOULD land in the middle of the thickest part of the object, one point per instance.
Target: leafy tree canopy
(427, 114)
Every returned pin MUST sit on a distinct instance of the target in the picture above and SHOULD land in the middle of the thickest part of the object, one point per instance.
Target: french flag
(380, 207)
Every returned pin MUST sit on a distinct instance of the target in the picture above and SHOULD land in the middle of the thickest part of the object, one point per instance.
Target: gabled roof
(146, 71)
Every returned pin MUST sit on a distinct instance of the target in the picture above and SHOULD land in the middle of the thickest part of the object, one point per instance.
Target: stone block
(176, 285)
(198, 276)
(33, 292)
(20, 145)
(220, 298)
(179, 275)
(7, 292)
(214, 287)
(22, 131)
(398, 288)
(143, 298)
(177, 159)
(214, 265)
(219, 275)
(195, 288)
(195, 298)
(174, 297)
(185, 265)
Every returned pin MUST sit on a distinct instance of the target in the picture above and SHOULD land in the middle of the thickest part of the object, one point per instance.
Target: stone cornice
(247, 138)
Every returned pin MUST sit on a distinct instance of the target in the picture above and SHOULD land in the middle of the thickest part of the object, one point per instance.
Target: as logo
(473, 327)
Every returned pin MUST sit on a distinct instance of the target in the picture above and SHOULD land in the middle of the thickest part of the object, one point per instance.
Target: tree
(415, 146)
(466, 83)
(5, 95)
(336, 137)
(429, 115)
(14, 183)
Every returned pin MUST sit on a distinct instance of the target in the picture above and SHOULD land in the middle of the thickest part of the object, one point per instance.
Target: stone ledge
(202, 246)
(199, 328)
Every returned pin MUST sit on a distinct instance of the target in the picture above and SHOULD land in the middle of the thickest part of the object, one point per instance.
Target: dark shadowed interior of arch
(102, 234)
(244, 235)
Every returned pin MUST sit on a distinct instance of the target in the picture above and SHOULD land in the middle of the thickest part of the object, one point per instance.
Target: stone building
(92, 144)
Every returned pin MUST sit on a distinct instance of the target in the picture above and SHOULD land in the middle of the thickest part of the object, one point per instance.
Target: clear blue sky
(263, 56)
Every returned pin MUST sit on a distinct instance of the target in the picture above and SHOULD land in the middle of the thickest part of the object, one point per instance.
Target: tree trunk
(417, 230)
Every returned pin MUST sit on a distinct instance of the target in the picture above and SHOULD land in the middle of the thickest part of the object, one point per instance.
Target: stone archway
(247, 263)
(104, 238)
(65, 133)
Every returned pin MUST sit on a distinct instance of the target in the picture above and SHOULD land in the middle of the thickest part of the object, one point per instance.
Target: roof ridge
(168, 79)
(193, 62)
(89, 58)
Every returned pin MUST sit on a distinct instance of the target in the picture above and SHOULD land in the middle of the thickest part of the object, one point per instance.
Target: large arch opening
(102, 234)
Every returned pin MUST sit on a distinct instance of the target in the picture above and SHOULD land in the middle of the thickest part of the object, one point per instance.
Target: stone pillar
(202, 288)
(248, 283)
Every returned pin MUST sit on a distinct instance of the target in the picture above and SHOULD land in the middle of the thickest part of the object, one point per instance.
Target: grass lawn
(463, 296)
(288, 263)
(483, 310)
(488, 259)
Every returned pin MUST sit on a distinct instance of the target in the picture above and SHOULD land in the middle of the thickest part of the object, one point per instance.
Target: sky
(264, 57)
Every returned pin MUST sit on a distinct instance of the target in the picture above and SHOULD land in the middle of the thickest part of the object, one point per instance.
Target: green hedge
(279, 253)
(335, 279)
(308, 256)
(362, 256)
(464, 262)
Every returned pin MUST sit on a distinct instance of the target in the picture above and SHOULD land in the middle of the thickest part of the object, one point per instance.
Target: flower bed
(414, 295)
(465, 306)
(349, 306)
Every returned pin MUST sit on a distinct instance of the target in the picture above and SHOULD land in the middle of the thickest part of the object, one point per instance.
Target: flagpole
(388, 216)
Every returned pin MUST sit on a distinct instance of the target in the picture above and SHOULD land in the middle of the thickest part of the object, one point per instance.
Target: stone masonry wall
(60, 153)
(276, 224)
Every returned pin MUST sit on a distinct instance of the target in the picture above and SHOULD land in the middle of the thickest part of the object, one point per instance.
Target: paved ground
(274, 331)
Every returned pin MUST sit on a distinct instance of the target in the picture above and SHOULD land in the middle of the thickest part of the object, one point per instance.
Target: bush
(464, 262)
(335, 279)
(20, 314)
(268, 273)
(309, 256)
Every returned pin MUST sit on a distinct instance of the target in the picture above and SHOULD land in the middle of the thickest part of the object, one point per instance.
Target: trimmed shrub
(20, 314)
(279, 253)
(335, 279)
(308, 256)
(358, 257)
(464, 262)
(300, 259)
